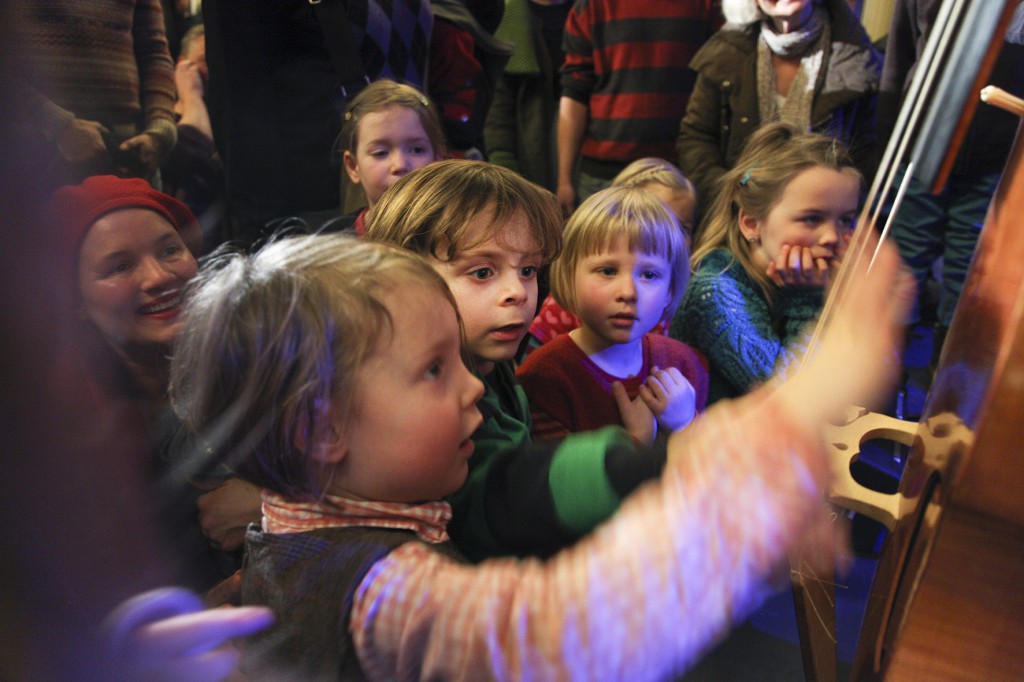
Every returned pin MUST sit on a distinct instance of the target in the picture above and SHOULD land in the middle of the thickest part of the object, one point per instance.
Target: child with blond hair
(665, 181)
(329, 371)
(653, 175)
(622, 272)
(488, 232)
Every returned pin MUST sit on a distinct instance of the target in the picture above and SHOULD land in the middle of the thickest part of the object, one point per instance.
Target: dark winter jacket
(723, 109)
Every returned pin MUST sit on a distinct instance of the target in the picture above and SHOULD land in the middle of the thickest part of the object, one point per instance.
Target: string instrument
(946, 601)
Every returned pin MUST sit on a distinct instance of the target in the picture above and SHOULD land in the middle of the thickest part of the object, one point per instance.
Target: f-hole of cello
(877, 467)
(879, 464)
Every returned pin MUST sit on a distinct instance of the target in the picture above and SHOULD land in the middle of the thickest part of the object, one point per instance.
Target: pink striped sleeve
(641, 598)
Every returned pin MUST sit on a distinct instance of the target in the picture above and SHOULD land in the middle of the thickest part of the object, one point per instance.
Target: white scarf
(809, 42)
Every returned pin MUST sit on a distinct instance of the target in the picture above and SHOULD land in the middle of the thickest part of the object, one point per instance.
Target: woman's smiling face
(132, 271)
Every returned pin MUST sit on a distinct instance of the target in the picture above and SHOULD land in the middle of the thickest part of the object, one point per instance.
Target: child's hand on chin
(670, 397)
(797, 266)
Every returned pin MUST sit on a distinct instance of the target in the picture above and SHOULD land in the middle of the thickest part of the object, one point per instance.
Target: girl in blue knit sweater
(763, 260)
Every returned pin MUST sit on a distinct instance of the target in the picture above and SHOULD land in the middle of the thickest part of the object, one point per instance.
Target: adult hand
(670, 397)
(227, 510)
(82, 141)
(566, 197)
(637, 417)
(149, 152)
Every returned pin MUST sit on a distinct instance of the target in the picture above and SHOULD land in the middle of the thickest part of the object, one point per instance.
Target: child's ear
(331, 446)
(750, 226)
(350, 167)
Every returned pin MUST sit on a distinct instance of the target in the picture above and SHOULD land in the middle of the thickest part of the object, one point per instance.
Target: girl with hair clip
(356, 439)
(764, 258)
(389, 129)
(622, 271)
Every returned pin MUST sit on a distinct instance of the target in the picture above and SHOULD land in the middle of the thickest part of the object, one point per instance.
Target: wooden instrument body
(947, 601)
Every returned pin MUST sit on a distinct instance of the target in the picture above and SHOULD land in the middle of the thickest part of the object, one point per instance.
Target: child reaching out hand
(623, 271)
(329, 371)
(488, 231)
(762, 262)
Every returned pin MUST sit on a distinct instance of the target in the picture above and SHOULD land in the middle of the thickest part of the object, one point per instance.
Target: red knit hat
(76, 207)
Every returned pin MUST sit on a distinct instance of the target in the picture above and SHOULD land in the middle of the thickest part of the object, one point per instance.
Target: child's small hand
(166, 635)
(797, 266)
(670, 397)
(637, 417)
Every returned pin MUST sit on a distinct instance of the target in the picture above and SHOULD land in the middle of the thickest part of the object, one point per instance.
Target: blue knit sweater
(726, 316)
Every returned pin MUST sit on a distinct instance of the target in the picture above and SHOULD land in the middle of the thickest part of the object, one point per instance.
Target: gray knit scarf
(809, 43)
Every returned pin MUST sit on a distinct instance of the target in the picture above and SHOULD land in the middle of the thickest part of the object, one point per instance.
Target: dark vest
(309, 580)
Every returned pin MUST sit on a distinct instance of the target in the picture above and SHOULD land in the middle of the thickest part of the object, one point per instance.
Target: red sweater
(568, 393)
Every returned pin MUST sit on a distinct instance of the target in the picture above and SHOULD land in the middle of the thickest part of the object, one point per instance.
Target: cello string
(922, 84)
(892, 213)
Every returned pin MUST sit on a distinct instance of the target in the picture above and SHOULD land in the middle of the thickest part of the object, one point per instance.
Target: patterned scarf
(428, 520)
(810, 43)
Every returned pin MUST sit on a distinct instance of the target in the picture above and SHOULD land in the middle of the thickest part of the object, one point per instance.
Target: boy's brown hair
(429, 210)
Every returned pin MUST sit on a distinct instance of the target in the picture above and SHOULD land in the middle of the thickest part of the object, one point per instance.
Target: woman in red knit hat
(130, 251)
(127, 258)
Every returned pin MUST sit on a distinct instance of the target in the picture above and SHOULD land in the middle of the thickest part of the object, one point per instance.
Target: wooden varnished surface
(968, 618)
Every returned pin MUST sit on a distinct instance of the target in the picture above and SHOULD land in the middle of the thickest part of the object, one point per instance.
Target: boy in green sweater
(488, 232)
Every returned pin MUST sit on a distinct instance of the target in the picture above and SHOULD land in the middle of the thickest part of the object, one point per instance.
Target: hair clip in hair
(424, 101)
(348, 115)
(746, 177)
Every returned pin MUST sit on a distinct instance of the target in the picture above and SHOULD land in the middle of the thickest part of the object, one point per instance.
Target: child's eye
(811, 219)
(528, 272)
(379, 153)
(434, 371)
(650, 275)
(173, 250)
(606, 271)
(419, 149)
(481, 273)
(847, 221)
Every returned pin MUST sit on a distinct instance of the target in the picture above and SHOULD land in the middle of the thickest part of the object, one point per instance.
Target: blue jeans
(947, 226)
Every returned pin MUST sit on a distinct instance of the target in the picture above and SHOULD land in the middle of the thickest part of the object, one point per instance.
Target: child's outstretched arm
(859, 354)
(650, 591)
(166, 634)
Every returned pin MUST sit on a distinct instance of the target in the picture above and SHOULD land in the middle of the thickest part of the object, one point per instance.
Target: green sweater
(523, 498)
